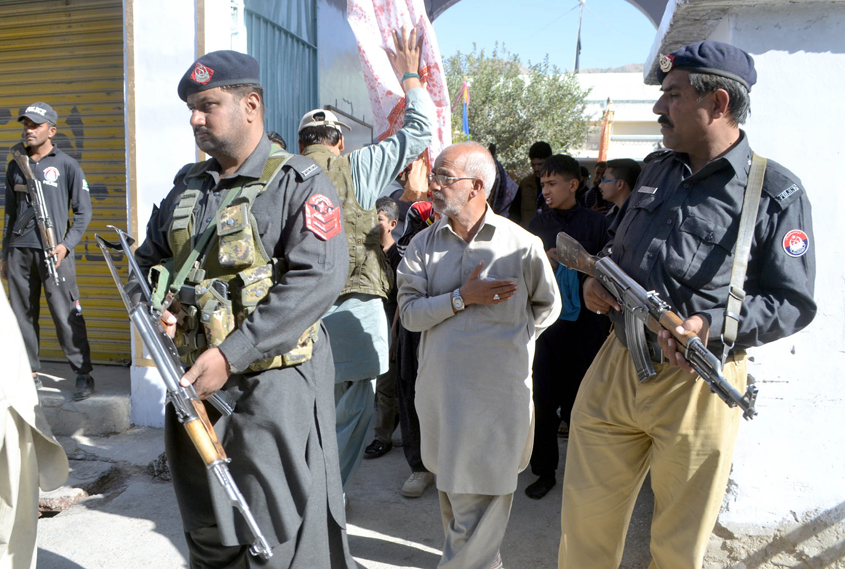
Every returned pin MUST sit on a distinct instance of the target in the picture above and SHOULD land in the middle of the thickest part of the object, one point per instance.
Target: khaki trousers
(18, 493)
(475, 526)
(621, 429)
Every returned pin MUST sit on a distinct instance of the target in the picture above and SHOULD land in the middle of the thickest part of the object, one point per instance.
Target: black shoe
(540, 487)
(84, 387)
(377, 449)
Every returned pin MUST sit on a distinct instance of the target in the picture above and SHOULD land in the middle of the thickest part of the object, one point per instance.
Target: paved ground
(130, 519)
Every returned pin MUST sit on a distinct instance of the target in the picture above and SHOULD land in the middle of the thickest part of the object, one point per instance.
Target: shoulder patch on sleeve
(305, 167)
(796, 243)
(322, 217)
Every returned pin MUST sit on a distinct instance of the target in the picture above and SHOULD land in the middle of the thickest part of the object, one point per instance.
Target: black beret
(219, 69)
(712, 58)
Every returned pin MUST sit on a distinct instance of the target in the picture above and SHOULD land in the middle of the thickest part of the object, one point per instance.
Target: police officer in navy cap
(23, 262)
(275, 262)
(677, 234)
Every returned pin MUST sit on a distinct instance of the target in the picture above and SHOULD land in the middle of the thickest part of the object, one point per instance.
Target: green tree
(514, 106)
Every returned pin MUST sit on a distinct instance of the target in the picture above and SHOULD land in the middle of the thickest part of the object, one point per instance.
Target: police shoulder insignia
(309, 170)
(322, 217)
(787, 192)
(796, 243)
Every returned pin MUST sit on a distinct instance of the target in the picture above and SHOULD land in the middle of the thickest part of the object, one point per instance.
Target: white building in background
(635, 130)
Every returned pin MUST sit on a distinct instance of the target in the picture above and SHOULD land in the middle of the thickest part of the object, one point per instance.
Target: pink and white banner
(373, 22)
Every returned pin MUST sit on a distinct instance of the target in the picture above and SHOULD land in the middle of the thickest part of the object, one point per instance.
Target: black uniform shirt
(677, 231)
(64, 187)
(317, 268)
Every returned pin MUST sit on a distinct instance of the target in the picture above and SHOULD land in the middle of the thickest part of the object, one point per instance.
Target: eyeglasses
(603, 180)
(443, 180)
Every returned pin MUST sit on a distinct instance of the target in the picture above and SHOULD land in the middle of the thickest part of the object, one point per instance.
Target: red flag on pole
(606, 130)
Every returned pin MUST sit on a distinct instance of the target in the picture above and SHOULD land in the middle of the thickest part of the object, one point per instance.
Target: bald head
(475, 161)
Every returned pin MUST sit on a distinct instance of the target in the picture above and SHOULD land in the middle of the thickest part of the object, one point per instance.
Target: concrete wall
(164, 43)
(790, 460)
(785, 504)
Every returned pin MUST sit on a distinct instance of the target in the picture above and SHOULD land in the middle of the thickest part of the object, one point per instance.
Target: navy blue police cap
(713, 58)
(219, 69)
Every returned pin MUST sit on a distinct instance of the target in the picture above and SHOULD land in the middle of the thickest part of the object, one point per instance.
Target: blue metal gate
(282, 36)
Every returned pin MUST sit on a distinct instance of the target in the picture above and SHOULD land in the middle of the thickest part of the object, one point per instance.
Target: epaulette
(182, 172)
(656, 154)
(781, 185)
(304, 167)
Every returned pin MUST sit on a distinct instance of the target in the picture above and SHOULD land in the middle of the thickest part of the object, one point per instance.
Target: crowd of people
(371, 290)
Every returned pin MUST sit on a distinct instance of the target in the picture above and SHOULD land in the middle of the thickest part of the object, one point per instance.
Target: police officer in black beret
(677, 234)
(246, 315)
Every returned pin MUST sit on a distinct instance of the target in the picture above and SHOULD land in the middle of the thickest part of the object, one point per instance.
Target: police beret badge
(666, 62)
(202, 74)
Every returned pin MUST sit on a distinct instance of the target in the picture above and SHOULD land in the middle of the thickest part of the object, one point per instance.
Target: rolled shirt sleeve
(376, 166)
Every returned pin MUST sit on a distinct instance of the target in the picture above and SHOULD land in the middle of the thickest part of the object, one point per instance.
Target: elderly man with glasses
(480, 290)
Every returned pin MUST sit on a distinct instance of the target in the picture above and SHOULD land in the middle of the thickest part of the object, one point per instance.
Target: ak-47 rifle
(39, 207)
(646, 309)
(189, 408)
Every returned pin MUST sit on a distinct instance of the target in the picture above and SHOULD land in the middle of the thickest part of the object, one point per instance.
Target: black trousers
(562, 356)
(27, 273)
(406, 380)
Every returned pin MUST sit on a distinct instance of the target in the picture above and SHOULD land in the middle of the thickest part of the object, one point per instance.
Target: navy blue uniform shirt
(676, 235)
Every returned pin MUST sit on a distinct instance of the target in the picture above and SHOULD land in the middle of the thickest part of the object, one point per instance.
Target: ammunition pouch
(236, 247)
(208, 311)
(224, 274)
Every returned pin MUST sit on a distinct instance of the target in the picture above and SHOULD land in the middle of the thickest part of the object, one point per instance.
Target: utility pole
(578, 45)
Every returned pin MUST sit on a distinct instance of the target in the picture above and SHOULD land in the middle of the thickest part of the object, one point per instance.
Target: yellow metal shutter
(69, 54)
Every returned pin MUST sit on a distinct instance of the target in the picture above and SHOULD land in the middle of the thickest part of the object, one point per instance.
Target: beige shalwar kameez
(29, 456)
(473, 391)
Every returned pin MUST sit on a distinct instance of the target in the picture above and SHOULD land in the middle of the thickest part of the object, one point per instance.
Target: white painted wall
(164, 47)
(790, 459)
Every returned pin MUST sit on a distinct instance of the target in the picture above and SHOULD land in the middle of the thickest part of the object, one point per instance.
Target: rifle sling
(742, 250)
(199, 246)
(247, 192)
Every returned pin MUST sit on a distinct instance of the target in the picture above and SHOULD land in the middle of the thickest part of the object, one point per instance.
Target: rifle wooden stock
(203, 435)
(669, 321)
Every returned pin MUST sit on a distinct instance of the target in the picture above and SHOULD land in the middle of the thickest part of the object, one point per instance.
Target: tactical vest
(369, 269)
(218, 279)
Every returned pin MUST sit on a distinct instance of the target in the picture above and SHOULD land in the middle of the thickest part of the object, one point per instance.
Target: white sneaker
(417, 483)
